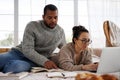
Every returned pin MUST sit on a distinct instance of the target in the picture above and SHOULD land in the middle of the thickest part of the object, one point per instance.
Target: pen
(63, 74)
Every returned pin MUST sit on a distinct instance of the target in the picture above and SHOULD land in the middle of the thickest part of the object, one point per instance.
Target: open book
(61, 74)
(41, 69)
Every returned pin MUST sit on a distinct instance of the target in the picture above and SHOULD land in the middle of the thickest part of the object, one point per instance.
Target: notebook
(109, 60)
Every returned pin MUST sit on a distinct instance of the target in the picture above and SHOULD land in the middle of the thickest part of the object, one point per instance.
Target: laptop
(109, 60)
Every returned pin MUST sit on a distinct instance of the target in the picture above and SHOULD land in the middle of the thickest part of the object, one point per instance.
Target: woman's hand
(90, 67)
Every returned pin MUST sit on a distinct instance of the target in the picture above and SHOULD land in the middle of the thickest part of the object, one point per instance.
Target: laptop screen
(109, 60)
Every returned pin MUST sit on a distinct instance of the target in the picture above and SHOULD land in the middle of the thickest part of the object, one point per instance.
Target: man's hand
(50, 65)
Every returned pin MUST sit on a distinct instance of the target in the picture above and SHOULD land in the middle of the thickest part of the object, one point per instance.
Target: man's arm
(63, 40)
(28, 46)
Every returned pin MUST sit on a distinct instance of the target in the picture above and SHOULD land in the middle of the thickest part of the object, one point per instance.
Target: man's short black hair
(50, 7)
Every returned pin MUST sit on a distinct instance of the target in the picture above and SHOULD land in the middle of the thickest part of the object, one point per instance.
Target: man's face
(50, 18)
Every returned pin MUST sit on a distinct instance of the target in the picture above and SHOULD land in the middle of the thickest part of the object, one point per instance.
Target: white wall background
(15, 14)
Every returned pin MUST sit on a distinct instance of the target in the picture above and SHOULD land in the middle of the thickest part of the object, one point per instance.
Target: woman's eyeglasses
(84, 41)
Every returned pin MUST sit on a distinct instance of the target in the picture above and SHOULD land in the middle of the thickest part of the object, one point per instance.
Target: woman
(76, 55)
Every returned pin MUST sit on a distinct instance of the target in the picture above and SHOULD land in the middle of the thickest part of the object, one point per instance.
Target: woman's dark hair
(77, 30)
(50, 7)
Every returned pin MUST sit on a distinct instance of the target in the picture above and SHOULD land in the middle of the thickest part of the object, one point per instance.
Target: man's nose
(53, 20)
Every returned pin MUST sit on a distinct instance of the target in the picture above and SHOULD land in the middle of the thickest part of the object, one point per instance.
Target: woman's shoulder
(68, 45)
(68, 48)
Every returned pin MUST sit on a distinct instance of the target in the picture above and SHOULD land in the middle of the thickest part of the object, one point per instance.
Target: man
(39, 41)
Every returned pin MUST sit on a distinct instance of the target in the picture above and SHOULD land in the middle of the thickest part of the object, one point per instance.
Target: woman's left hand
(90, 67)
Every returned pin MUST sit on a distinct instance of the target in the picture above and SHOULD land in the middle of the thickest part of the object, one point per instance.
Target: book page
(61, 74)
(55, 70)
(69, 74)
(22, 74)
(54, 74)
(3, 74)
(38, 69)
(41, 69)
(8, 76)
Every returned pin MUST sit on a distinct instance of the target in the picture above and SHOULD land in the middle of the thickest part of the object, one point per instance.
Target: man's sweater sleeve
(63, 40)
(28, 46)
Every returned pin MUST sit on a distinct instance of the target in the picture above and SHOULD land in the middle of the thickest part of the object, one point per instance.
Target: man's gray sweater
(39, 41)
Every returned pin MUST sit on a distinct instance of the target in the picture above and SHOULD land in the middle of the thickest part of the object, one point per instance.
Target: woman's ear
(74, 39)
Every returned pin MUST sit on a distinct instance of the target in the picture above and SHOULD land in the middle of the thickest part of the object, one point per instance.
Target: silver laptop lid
(109, 60)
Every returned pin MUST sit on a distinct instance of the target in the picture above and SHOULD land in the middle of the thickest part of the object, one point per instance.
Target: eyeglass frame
(86, 41)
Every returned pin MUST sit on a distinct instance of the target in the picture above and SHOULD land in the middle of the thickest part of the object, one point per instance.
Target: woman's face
(83, 41)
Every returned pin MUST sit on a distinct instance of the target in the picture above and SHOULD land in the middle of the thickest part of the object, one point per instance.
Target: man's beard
(48, 25)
